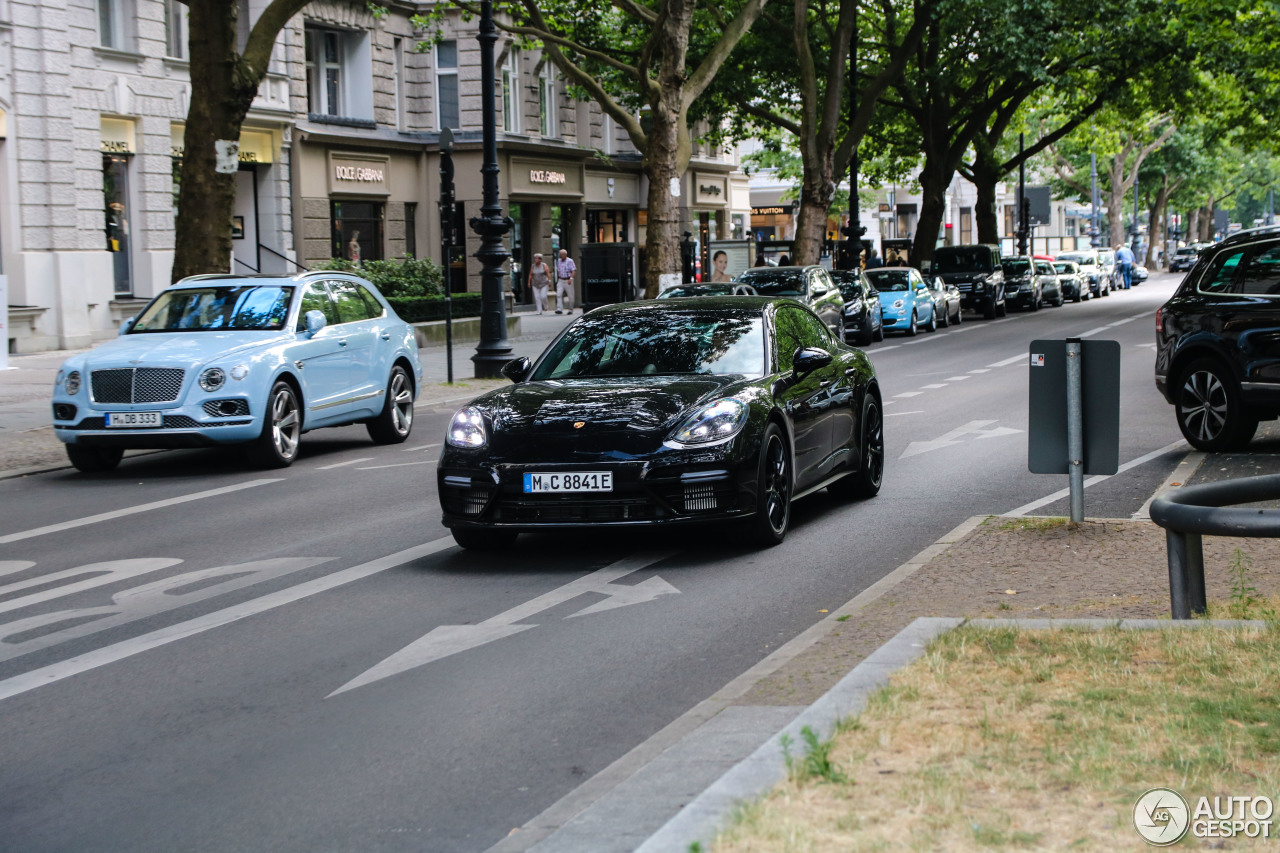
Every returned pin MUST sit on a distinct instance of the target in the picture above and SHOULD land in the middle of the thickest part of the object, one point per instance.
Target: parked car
(1099, 285)
(666, 412)
(1030, 283)
(252, 360)
(1218, 341)
(1139, 274)
(1107, 267)
(811, 285)
(1071, 281)
(863, 323)
(946, 301)
(680, 291)
(906, 303)
(1183, 258)
(976, 272)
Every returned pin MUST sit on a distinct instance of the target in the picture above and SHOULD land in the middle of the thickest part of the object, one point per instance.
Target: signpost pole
(1075, 430)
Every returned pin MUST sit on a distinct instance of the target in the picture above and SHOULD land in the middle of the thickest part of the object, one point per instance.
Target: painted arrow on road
(446, 640)
(976, 429)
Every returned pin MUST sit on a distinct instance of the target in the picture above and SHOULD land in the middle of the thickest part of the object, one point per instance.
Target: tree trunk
(985, 177)
(934, 180)
(662, 165)
(816, 192)
(1115, 204)
(221, 92)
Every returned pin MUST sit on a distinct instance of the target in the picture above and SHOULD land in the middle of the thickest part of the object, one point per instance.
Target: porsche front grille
(136, 385)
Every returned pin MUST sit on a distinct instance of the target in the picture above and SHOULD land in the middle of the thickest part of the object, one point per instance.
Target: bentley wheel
(768, 527)
(1211, 414)
(392, 426)
(484, 540)
(94, 460)
(277, 446)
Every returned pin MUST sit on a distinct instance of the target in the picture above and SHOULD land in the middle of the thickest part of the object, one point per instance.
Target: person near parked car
(565, 268)
(873, 260)
(1124, 261)
(539, 282)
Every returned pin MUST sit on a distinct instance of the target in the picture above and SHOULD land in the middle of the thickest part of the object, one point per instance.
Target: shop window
(357, 230)
(511, 92)
(115, 191)
(114, 19)
(447, 85)
(607, 226)
(547, 102)
(739, 227)
(175, 29)
(339, 74)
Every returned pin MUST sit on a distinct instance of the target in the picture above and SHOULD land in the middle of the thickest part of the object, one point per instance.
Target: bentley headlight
(72, 384)
(213, 378)
(467, 429)
(717, 421)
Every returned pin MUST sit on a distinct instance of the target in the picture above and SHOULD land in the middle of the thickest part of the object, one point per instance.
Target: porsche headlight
(72, 383)
(717, 421)
(213, 378)
(467, 429)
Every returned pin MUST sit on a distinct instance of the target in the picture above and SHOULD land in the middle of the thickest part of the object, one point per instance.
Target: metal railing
(1193, 512)
(252, 268)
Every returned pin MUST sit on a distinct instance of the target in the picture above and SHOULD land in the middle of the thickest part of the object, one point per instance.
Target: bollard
(1186, 574)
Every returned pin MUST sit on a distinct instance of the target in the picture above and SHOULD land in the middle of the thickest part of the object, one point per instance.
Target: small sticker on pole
(226, 156)
(675, 188)
(1037, 359)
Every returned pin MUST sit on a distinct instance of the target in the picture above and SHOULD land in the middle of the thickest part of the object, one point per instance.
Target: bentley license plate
(127, 420)
(583, 481)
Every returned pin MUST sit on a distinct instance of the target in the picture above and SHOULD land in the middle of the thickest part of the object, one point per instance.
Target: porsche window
(215, 309)
(645, 343)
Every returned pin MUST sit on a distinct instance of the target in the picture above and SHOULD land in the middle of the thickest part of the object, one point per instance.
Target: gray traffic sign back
(1047, 422)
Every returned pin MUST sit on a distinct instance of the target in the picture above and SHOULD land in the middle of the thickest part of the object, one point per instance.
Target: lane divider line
(341, 464)
(1062, 493)
(132, 510)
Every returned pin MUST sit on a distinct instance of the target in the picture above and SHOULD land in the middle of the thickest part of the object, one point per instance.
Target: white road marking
(142, 602)
(104, 573)
(981, 370)
(895, 414)
(1009, 361)
(1062, 493)
(956, 378)
(132, 510)
(12, 567)
(909, 394)
(886, 348)
(943, 385)
(1093, 332)
(398, 465)
(978, 429)
(423, 447)
(445, 640)
(341, 464)
(110, 654)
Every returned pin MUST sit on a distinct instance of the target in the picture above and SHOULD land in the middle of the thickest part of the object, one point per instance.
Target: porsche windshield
(212, 309)
(652, 343)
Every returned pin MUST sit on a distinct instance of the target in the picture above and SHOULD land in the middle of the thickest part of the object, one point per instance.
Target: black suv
(1218, 341)
(976, 271)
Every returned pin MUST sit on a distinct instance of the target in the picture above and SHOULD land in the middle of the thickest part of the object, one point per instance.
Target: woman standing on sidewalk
(539, 281)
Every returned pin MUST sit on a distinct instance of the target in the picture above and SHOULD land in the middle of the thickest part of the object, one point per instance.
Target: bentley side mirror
(315, 322)
(808, 359)
(128, 324)
(517, 369)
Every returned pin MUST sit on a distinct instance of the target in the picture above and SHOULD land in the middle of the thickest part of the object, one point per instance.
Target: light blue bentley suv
(253, 360)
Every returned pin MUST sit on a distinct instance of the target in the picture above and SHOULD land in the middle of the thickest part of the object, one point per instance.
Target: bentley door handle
(342, 342)
(386, 336)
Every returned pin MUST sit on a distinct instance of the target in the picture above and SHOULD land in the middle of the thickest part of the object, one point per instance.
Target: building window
(966, 225)
(339, 73)
(547, 102)
(112, 23)
(511, 92)
(175, 29)
(115, 190)
(607, 226)
(447, 85)
(411, 229)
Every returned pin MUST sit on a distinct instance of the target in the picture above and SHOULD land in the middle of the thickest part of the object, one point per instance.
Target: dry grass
(1040, 740)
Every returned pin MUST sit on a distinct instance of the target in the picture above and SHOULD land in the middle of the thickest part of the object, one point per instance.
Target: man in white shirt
(565, 269)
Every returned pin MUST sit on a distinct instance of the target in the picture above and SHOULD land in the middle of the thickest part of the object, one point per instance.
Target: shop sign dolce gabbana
(709, 189)
(538, 177)
(360, 175)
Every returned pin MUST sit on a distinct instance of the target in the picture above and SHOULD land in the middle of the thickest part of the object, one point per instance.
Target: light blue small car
(253, 360)
(906, 302)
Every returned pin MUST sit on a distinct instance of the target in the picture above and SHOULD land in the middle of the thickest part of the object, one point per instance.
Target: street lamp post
(1094, 234)
(493, 351)
(854, 230)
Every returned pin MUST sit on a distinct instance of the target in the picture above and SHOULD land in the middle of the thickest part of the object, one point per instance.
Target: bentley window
(208, 309)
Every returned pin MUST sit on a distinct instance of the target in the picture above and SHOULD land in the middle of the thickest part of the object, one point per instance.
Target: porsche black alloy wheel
(768, 526)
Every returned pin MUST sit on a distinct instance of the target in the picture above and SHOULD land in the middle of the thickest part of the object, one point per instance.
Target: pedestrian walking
(873, 260)
(539, 282)
(1124, 260)
(565, 269)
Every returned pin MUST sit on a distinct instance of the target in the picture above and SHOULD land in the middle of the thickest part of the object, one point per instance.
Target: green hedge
(422, 309)
(396, 277)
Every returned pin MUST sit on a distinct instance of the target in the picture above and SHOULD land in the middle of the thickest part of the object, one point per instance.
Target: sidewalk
(28, 444)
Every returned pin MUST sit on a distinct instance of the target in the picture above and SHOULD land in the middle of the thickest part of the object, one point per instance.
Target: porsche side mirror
(517, 369)
(808, 359)
(315, 322)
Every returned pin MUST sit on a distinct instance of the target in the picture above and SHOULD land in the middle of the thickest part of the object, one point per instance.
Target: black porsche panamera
(723, 409)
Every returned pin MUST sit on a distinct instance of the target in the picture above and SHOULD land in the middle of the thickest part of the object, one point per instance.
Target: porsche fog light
(213, 378)
(72, 384)
(715, 422)
(467, 429)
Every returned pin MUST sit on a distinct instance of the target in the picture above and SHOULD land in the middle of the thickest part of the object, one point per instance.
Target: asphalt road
(198, 656)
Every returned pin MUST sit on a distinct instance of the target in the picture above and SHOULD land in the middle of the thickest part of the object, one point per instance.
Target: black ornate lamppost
(854, 230)
(493, 351)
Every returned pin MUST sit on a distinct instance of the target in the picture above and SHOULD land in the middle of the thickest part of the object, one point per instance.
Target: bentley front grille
(136, 385)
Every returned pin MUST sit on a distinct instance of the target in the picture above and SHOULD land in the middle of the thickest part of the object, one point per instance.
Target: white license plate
(583, 481)
(126, 420)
